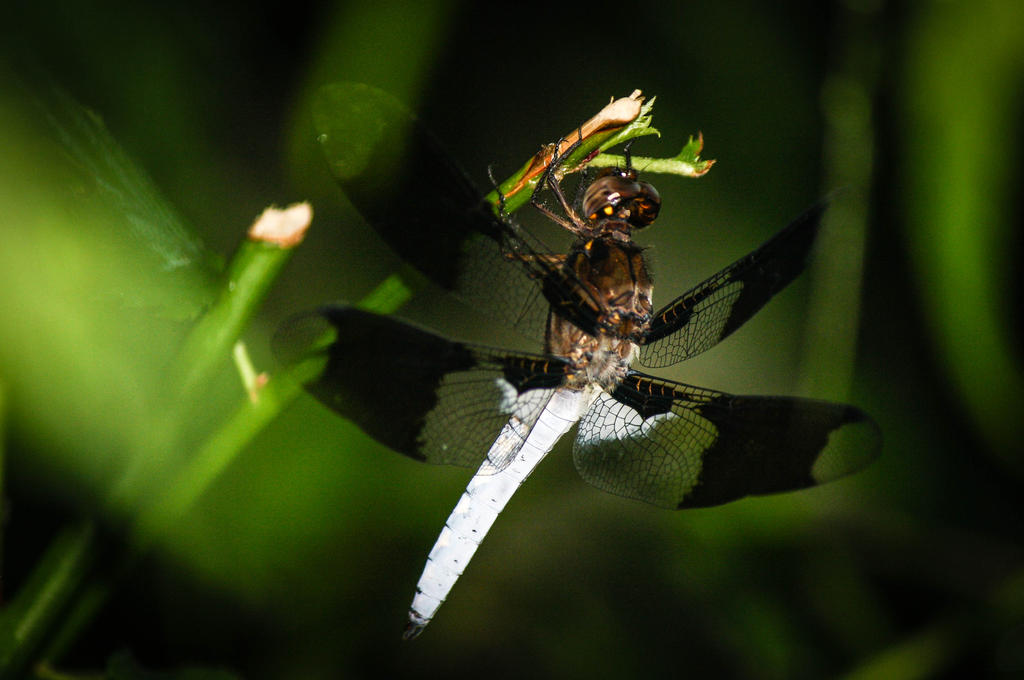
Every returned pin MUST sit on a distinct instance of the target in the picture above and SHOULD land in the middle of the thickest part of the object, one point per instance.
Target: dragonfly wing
(418, 393)
(703, 316)
(678, 446)
(409, 189)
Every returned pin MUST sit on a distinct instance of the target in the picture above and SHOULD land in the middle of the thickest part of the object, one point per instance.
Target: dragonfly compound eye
(619, 196)
(644, 206)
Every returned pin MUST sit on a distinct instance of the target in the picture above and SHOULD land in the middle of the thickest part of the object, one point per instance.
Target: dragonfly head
(618, 196)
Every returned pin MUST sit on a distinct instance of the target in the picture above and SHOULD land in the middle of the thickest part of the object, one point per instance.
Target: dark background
(302, 557)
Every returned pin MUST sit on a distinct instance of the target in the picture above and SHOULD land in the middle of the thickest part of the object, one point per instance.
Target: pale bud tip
(283, 227)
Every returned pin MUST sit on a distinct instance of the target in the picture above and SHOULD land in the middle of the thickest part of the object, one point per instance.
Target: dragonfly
(439, 400)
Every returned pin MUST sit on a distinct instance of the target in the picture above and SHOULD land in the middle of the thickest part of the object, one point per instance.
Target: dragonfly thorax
(607, 365)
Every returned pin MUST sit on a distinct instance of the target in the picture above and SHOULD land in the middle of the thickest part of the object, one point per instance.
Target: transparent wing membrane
(705, 315)
(422, 395)
(679, 446)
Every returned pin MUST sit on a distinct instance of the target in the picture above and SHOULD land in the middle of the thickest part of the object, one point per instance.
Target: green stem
(209, 345)
(39, 605)
(231, 438)
(246, 370)
(832, 316)
(215, 455)
(961, 98)
(31, 616)
(58, 578)
(249, 276)
(517, 189)
(83, 608)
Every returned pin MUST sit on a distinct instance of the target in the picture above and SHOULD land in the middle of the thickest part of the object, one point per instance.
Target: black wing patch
(429, 398)
(423, 205)
(702, 317)
(678, 446)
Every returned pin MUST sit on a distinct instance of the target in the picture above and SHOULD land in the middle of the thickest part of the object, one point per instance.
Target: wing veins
(680, 446)
(709, 312)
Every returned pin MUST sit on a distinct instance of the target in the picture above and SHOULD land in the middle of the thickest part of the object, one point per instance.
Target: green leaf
(686, 163)
(102, 179)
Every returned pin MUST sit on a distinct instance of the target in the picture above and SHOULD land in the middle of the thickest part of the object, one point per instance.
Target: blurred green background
(300, 559)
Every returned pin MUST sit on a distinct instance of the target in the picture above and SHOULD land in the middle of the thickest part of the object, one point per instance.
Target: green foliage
(285, 525)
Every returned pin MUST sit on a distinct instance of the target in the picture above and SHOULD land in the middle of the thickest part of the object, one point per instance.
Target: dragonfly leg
(550, 179)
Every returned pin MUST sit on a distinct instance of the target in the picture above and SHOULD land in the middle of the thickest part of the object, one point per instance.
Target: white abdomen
(485, 497)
